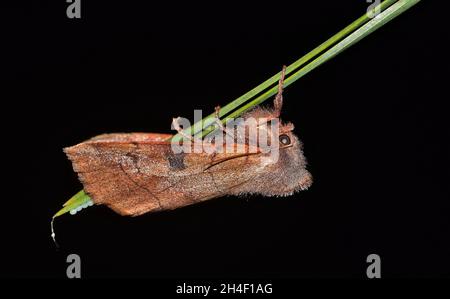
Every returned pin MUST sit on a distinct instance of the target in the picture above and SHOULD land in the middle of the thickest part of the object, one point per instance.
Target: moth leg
(219, 123)
(217, 119)
(278, 101)
(176, 126)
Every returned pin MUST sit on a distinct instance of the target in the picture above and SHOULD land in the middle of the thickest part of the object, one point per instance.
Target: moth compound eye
(285, 140)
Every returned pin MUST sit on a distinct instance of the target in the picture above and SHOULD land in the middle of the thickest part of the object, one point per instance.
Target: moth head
(286, 171)
(284, 165)
(289, 172)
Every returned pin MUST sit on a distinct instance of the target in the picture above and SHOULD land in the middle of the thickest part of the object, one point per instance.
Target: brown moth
(136, 173)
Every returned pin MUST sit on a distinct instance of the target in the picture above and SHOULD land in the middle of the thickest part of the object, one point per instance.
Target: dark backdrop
(372, 120)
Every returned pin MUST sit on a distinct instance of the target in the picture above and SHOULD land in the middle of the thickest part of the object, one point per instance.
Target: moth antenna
(278, 101)
(53, 235)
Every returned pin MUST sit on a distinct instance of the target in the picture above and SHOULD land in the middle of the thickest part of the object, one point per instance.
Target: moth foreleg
(278, 101)
(219, 123)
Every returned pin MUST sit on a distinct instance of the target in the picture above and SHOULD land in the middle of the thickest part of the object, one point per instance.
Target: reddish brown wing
(138, 173)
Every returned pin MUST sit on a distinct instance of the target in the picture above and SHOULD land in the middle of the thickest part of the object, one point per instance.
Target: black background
(373, 122)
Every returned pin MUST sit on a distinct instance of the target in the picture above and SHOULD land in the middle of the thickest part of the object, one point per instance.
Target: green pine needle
(345, 38)
(79, 199)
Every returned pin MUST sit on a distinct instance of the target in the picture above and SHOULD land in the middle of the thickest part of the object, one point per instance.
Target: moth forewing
(137, 173)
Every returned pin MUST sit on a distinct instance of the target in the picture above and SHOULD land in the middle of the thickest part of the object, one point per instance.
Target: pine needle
(350, 35)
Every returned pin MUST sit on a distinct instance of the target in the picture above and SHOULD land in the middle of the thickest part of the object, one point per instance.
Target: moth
(137, 173)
